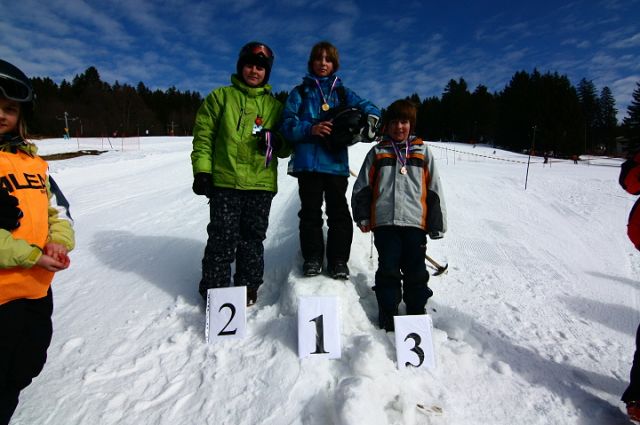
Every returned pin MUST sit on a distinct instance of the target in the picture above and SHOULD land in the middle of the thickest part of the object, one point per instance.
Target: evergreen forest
(543, 112)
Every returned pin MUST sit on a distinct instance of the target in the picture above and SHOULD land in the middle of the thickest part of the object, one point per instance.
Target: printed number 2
(416, 349)
(233, 313)
(319, 335)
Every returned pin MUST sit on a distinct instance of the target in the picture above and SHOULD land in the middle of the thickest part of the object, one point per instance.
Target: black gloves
(202, 184)
(370, 130)
(10, 214)
(276, 142)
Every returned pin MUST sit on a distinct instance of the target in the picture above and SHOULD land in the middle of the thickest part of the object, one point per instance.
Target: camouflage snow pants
(237, 228)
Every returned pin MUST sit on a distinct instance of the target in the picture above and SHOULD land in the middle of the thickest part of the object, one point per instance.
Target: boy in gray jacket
(398, 196)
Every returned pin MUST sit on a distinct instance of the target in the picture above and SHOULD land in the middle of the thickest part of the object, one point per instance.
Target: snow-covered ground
(533, 324)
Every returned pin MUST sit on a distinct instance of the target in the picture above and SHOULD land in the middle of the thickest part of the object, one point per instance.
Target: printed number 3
(416, 349)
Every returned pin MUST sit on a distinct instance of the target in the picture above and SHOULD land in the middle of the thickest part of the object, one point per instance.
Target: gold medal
(325, 107)
(403, 170)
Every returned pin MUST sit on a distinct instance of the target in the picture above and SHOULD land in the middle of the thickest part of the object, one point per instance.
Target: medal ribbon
(269, 154)
(324, 99)
(402, 161)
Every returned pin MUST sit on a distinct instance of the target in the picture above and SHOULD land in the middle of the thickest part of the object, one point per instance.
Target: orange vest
(24, 176)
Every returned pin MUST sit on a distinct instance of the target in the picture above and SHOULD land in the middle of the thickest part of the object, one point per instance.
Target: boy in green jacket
(235, 165)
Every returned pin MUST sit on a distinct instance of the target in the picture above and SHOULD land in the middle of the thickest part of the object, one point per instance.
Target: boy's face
(322, 66)
(253, 75)
(9, 115)
(399, 129)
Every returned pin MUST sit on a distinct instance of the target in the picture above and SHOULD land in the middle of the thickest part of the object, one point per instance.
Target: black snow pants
(25, 335)
(314, 188)
(632, 393)
(402, 273)
(237, 228)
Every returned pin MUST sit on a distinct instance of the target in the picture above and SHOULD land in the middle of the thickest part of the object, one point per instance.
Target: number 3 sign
(318, 330)
(226, 313)
(414, 341)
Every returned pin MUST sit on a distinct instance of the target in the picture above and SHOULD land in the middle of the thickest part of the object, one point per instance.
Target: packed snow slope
(533, 324)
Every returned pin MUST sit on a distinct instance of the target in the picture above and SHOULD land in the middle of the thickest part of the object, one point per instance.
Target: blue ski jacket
(302, 110)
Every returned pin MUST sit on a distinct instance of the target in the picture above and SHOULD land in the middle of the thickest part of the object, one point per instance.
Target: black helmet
(15, 85)
(347, 125)
(256, 53)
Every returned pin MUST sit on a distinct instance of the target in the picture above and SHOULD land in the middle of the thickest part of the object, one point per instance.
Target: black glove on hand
(10, 214)
(202, 184)
(276, 142)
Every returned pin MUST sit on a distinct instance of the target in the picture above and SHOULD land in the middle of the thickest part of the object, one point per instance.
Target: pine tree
(589, 104)
(632, 121)
(607, 120)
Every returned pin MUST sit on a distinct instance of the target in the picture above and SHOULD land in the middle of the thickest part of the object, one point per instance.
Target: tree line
(89, 107)
(534, 110)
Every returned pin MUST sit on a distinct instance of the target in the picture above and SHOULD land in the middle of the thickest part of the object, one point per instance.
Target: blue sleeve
(363, 104)
(293, 128)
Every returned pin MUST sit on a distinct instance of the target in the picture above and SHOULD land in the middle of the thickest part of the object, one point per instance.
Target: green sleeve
(16, 252)
(204, 132)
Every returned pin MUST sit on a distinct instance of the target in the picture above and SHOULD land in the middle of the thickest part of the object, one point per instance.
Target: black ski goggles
(14, 89)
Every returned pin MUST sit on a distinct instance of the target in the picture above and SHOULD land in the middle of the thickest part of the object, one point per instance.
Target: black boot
(385, 319)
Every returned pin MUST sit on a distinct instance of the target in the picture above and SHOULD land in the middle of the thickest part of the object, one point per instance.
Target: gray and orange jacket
(24, 175)
(382, 196)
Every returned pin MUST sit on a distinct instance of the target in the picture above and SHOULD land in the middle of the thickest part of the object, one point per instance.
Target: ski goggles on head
(14, 89)
(261, 50)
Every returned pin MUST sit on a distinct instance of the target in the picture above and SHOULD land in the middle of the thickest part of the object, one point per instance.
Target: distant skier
(323, 170)
(630, 181)
(398, 196)
(235, 165)
(34, 241)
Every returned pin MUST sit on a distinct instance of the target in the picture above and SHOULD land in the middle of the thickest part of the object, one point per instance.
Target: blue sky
(388, 50)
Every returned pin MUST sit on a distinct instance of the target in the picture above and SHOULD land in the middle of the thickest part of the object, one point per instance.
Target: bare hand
(51, 264)
(364, 228)
(322, 129)
(58, 253)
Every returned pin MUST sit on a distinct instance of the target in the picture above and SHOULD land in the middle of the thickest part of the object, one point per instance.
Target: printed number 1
(416, 349)
(233, 313)
(319, 335)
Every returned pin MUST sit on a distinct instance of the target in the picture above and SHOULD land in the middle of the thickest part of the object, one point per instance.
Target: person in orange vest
(630, 181)
(35, 238)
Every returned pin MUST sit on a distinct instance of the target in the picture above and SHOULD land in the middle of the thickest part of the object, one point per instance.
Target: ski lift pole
(533, 143)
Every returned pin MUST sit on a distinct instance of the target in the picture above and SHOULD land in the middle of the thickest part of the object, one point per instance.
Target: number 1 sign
(226, 313)
(318, 329)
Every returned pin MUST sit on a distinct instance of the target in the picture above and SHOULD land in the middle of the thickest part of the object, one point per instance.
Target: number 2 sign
(318, 330)
(414, 341)
(226, 313)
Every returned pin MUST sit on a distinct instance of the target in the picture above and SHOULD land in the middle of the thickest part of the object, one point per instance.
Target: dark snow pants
(237, 228)
(402, 273)
(25, 335)
(314, 188)
(632, 393)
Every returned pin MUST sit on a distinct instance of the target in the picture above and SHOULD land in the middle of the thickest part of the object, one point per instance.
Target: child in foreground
(34, 241)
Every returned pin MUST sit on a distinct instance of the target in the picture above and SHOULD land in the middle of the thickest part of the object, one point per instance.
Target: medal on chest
(402, 161)
(257, 125)
(325, 100)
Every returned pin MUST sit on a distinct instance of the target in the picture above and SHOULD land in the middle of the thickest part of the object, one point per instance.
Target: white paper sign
(414, 341)
(226, 313)
(318, 327)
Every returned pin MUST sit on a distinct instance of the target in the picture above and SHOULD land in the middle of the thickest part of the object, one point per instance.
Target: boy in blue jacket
(322, 170)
